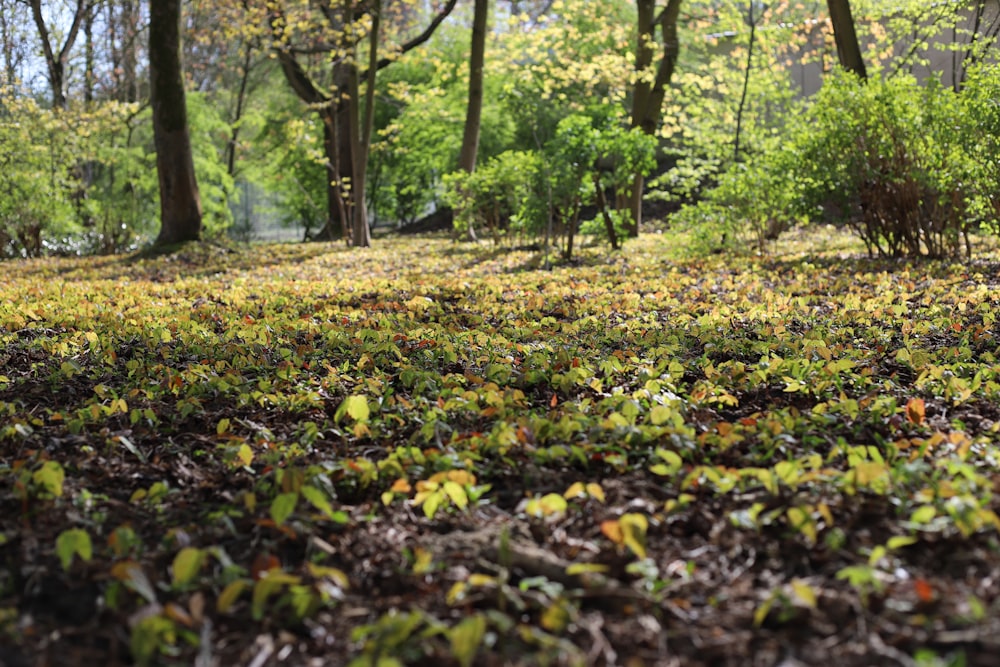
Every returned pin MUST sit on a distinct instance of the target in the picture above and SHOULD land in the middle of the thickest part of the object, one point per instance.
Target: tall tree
(123, 43)
(474, 110)
(180, 203)
(56, 55)
(846, 37)
(334, 33)
(12, 42)
(651, 84)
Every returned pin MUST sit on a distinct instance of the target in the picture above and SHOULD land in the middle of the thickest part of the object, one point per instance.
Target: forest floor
(430, 453)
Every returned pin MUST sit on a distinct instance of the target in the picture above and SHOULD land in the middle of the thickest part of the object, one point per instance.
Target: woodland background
(290, 125)
(756, 425)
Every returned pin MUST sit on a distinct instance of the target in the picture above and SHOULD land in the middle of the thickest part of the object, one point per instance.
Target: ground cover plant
(430, 453)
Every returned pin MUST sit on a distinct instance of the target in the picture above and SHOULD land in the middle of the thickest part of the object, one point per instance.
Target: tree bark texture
(848, 49)
(180, 203)
(651, 88)
(347, 134)
(474, 109)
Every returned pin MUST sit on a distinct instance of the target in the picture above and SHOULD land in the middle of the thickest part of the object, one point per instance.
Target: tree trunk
(752, 19)
(602, 205)
(346, 135)
(88, 67)
(474, 109)
(55, 61)
(848, 49)
(180, 203)
(7, 39)
(241, 96)
(647, 102)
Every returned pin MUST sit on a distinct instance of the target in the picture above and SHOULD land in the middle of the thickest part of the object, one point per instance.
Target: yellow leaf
(575, 491)
(463, 477)
(356, 407)
(633, 527)
(595, 491)
(456, 593)
(245, 454)
(230, 594)
(585, 568)
(915, 411)
(457, 494)
(804, 592)
(556, 617)
(481, 580)
(423, 560)
(324, 572)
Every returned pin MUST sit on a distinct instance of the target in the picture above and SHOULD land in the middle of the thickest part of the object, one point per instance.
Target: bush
(888, 155)
(35, 184)
(911, 168)
(543, 192)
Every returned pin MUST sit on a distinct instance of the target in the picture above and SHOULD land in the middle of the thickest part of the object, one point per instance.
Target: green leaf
(50, 478)
(148, 636)
(457, 494)
(661, 415)
(356, 407)
(187, 565)
(282, 507)
(672, 463)
(432, 503)
(317, 498)
(270, 583)
(466, 637)
(923, 514)
(900, 541)
(73, 542)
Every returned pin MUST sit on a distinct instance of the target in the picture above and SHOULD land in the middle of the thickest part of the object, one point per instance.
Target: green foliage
(495, 441)
(83, 180)
(37, 151)
(912, 169)
(535, 193)
(890, 156)
(493, 197)
(420, 141)
(209, 137)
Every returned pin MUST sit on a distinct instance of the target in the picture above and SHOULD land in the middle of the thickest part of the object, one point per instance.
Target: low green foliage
(532, 195)
(911, 168)
(441, 453)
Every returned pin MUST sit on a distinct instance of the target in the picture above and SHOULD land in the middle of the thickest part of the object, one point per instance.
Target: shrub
(911, 168)
(543, 192)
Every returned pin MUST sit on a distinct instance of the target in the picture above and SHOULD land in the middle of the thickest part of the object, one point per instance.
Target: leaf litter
(437, 453)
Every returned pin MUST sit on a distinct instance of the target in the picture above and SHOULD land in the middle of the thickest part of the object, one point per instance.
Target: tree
(122, 22)
(474, 111)
(651, 86)
(331, 33)
(848, 49)
(12, 40)
(55, 55)
(180, 203)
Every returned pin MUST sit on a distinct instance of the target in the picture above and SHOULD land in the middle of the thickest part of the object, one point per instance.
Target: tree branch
(421, 38)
